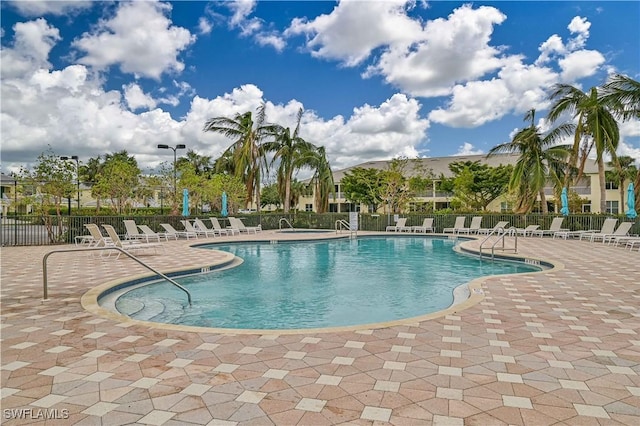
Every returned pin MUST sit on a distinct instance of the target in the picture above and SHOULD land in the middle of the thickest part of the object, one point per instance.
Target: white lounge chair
(129, 245)
(608, 228)
(97, 239)
(476, 222)
(500, 227)
(237, 224)
(220, 229)
(400, 226)
(200, 225)
(556, 227)
(173, 232)
(459, 224)
(529, 230)
(427, 226)
(621, 231)
(190, 228)
(132, 231)
(151, 234)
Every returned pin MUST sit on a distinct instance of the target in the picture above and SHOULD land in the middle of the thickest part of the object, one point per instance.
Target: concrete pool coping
(554, 348)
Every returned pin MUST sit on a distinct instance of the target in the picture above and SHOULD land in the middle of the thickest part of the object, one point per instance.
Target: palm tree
(623, 95)
(540, 158)
(246, 149)
(290, 150)
(623, 169)
(596, 127)
(322, 178)
(90, 173)
(201, 163)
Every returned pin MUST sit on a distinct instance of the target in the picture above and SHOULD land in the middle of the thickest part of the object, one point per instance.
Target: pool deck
(558, 347)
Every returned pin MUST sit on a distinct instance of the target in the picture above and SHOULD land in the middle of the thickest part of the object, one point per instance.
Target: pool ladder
(285, 220)
(501, 232)
(341, 225)
(46, 256)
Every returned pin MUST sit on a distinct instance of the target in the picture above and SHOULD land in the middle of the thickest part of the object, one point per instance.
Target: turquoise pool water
(296, 285)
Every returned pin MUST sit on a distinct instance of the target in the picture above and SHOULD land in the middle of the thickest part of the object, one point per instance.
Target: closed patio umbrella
(185, 202)
(631, 202)
(223, 210)
(565, 202)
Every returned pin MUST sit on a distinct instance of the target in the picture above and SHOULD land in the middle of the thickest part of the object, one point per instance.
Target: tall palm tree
(289, 149)
(322, 178)
(541, 158)
(623, 169)
(246, 150)
(622, 93)
(596, 127)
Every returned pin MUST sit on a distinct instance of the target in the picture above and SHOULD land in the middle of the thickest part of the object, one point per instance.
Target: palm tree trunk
(287, 194)
(543, 202)
(603, 189)
(621, 189)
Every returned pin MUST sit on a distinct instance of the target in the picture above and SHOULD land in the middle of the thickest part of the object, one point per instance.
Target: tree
(246, 149)
(118, 179)
(53, 180)
(322, 179)
(623, 169)
(89, 174)
(270, 195)
(364, 186)
(396, 192)
(596, 127)
(476, 185)
(622, 94)
(290, 150)
(540, 159)
(201, 164)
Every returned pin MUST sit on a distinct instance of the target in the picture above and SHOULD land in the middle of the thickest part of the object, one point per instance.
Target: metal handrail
(501, 233)
(285, 220)
(343, 224)
(46, 256)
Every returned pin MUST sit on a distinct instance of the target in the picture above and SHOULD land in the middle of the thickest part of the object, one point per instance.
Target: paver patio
(557, 347)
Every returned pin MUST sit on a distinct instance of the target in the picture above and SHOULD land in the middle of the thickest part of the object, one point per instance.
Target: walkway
(560, 347)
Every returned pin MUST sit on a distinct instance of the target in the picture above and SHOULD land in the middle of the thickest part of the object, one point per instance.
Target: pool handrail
(501, 234)
(46, 256)
(285, 220)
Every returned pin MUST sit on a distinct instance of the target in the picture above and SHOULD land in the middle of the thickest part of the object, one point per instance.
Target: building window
(612, 207)
(333, 208)
(505, 207)
(308, 207)
(586, 208)
(611, 185)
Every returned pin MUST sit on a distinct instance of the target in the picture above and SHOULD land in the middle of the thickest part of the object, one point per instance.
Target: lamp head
(163, 146)
(181, 146)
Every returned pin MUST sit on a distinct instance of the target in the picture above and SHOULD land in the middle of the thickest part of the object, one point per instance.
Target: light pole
(174, 148)
(74, 157)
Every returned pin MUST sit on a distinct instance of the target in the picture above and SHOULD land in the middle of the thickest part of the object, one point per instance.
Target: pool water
(297, 285)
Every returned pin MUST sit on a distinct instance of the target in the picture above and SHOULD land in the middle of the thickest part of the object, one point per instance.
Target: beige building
(588, 188)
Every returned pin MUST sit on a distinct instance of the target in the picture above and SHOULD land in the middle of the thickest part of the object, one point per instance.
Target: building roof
(440, 165)
(6, 180)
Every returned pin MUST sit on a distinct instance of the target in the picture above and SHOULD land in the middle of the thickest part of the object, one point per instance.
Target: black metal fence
(38, 230)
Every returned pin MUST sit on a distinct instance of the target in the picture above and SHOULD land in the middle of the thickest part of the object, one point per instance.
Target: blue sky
(376, 79)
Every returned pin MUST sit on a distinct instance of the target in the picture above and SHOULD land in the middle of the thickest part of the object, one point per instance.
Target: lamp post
(174, 148)
(74, 157)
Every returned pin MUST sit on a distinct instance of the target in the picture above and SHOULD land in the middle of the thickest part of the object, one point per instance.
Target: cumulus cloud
(136, 98)
(33, 8)
(468, 149)
(32, 43)
(204, 26)
(140, 39)
(350, 32)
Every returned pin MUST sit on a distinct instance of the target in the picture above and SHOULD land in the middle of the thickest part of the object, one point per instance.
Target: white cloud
(33, 41)
(59, 7)
(579, 64)
(468, 149)
(204, 26)
(139, 38)
(353, 29)
(580, 27)
(450, 50)
(136, 98)
(273, 40)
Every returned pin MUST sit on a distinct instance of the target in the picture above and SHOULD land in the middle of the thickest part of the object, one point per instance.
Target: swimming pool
(317, 284)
